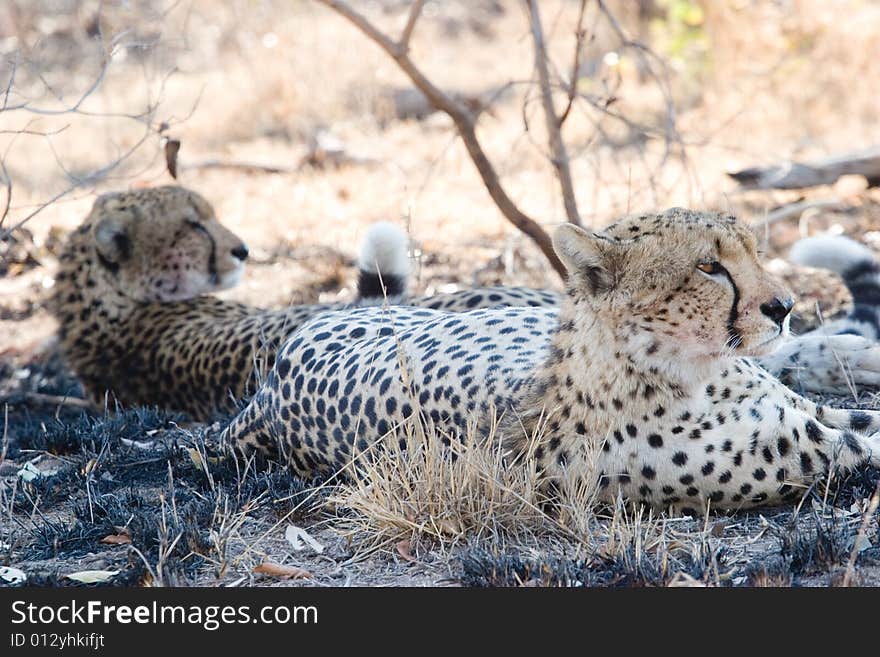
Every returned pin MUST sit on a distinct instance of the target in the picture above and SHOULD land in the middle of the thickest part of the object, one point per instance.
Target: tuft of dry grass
(423, 483)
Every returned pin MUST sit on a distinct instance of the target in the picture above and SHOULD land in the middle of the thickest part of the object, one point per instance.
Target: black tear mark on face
(734, 339)
(212, 256)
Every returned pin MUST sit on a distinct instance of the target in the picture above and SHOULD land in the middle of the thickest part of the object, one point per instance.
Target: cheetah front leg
(773, 464)
(826, 363)
(860, 421)
(840, 449)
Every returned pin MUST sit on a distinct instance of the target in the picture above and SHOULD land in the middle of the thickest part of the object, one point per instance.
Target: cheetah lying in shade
(135, 323)
(646, 357)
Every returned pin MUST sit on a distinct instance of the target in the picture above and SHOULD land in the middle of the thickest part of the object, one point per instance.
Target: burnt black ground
(161, 482)
(118, 470)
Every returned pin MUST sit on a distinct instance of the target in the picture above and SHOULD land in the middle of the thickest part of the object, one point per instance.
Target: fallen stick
(796, 175)
(58, 400)
(797, 209)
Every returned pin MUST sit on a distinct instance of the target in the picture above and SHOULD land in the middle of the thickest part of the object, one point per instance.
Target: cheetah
(642, 378)
(857, 265)
(851, 339)
(843, 353)
(832, 359)
(135, 319)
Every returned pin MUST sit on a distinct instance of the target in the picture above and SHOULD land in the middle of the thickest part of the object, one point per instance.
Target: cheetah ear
(112, 239)
(587, 256)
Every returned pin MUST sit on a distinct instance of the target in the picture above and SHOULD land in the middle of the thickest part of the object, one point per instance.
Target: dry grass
(424, 489)
(425, 484)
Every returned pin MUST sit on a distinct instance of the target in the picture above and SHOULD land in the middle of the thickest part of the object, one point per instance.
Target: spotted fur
(640, 379)
(839, 357)
(134, 322)
(841, 354)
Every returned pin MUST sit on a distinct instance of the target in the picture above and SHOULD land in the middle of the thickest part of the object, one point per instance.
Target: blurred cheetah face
(164, 244)
(678, 285)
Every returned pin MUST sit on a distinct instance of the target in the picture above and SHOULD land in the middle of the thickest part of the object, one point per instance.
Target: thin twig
(645, 54)
(559, 157)
(9, 85)
(90, 178)
(414, 13)
(145, 117)
(465, 124)
(4, 444)
(797, 209)
(574, 76)
(238, 165)
(7, 184)
(58, 400)
(860, 537)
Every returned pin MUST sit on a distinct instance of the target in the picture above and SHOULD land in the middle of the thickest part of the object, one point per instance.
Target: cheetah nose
(240, 252)
(778, 309)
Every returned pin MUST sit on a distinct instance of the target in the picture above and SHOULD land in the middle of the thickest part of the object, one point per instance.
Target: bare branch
(414, 13)
(35, 133)
(7, 184)
(559, 155)
(90, 178)
(146, 118)
(73, 108)
(58, 400)
(645, 54)
(240, 165)
(797, 209)
(465, 124)
(573, 77)
(9, 85)
(76, 108)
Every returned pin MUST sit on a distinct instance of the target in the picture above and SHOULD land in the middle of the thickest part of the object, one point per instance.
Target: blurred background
(301, 131)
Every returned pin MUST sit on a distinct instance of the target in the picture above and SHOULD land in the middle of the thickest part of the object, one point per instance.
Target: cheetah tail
(383, 263)
(857, 266)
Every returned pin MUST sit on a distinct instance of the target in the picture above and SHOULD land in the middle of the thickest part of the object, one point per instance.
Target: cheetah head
(163, 244)
(680, 286)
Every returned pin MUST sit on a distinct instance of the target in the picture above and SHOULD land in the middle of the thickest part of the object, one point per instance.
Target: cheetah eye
(196, 225)
(712, 268)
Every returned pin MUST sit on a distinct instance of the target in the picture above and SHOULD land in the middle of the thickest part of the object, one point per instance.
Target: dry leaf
(121, 538)
(92, 576)
(12, 576)
(299, 538)
(40, 467)
(29, 473)
(172, 148)
(449, 526)
(196, 458)
(139, 444)
(282, 572)
(404, 549)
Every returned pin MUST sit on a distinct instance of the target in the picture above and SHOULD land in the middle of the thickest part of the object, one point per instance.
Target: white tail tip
(385, 249)
(834, 252)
